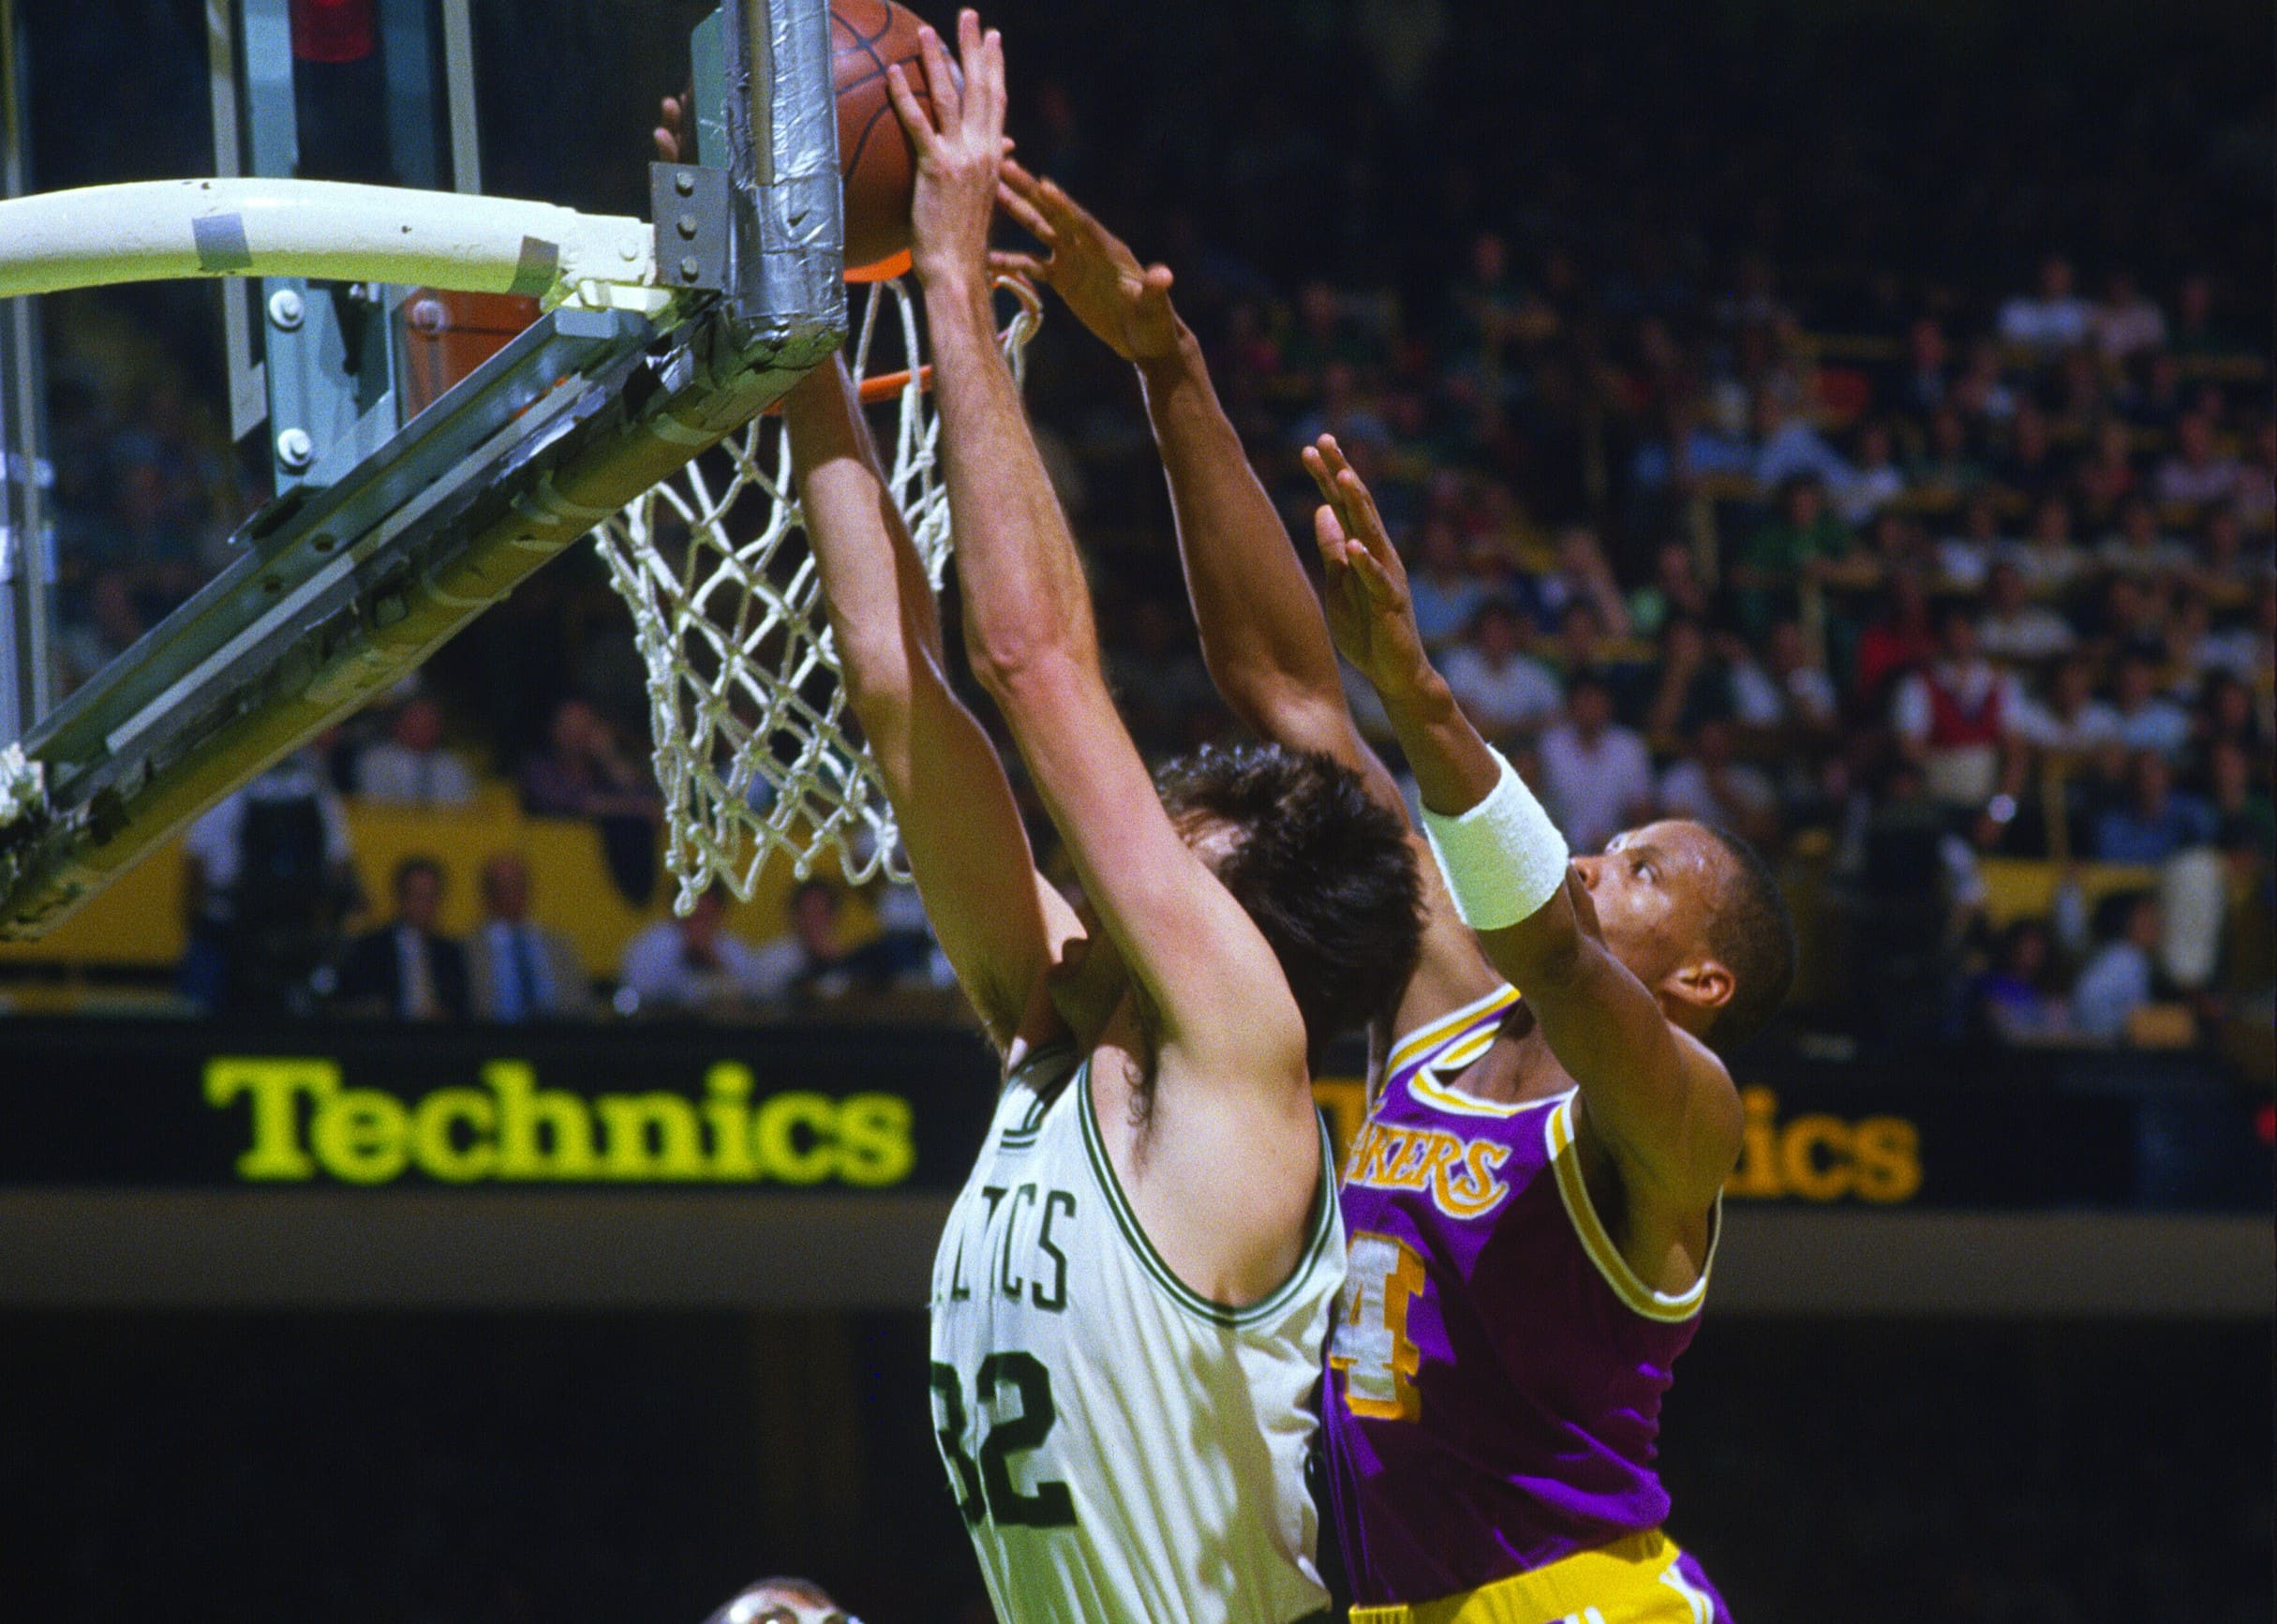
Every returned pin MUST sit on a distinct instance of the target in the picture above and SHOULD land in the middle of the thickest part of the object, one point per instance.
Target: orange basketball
(873, 153)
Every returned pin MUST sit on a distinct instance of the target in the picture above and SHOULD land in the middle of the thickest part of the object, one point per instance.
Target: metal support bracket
(694, 225)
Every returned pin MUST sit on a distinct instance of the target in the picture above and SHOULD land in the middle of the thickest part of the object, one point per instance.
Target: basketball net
(754, 751)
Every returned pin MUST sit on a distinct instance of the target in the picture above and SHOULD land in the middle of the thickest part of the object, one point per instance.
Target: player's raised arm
(1222, 1007)
(999, 923)
(1261, 634)
(1661, 1099)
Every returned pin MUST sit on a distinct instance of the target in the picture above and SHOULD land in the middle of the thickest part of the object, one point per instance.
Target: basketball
(873, 151)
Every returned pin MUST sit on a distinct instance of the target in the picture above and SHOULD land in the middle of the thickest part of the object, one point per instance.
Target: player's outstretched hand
(1125, 303)
(671, 134)
(959, 145)
(1371, 615)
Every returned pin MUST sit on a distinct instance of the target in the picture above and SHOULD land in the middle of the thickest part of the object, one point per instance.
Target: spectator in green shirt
(1785, 550)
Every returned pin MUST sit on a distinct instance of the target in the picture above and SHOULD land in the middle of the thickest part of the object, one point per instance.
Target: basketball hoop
(754, 752)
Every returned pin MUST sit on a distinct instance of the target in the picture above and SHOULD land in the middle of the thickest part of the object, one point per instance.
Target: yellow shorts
(1631, 1581)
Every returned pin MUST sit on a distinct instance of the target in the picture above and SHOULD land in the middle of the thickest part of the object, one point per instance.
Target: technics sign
(846, 1113)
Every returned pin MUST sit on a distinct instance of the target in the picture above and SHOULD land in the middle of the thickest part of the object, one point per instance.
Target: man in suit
(519, 970)
(405, 969)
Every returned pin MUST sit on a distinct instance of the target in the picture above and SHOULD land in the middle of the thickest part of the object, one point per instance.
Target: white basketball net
(754, 752)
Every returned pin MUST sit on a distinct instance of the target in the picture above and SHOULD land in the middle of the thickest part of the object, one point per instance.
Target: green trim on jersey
(1134, 1232)
(1033, 1062)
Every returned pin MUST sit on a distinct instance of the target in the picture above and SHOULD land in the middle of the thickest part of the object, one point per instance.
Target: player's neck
(1517, 1065)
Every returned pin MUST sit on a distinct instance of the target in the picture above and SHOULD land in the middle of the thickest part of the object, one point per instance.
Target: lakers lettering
(1460, 1173)
(304, 1124)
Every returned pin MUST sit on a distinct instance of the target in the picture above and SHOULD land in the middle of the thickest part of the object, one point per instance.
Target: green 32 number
(984, 1486)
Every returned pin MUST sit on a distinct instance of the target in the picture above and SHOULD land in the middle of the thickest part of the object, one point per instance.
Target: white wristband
(1503, 859)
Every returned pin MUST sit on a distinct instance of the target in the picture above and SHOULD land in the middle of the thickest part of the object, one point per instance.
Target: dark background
(638, 1467)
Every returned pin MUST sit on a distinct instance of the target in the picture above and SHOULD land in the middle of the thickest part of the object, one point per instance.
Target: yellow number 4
(1382, 1274)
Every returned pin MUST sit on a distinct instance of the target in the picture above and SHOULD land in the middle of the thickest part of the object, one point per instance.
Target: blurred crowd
(1881, 468)
(277, 921)
(1897, 604)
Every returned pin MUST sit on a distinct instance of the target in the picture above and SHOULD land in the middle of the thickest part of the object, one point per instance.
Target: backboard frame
(342, 584)
(27, 531)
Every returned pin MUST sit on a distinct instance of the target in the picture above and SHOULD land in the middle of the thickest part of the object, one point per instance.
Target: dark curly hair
(1753, 933)
(1328, 874)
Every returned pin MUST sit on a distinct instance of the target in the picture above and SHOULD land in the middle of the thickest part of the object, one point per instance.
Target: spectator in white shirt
(1708, 786)
(2195, 475)
(2239, 651)
(2047, 559)
(267, 879)
(2146, 719)
(1965, 556)
(1598, 773)
(517, 969)
(1790, 688)
(1445, 592)
(694, 965)
(1786, 445)
(1874, 482)
(1503, 691)
(2073, 722)
(2194, 647)
(2054, 319)
(2015, 630)
(2118, 980)
(2126, 321)
(2138, 547)
(214, 846)
(410, 766)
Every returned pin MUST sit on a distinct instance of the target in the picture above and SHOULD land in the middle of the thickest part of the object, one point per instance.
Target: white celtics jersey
(1122, 1449)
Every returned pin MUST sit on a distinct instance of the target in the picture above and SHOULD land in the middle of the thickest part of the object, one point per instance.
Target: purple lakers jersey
(1493, 1393)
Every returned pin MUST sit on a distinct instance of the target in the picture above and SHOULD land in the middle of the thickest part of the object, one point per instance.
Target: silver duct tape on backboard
(789, 247)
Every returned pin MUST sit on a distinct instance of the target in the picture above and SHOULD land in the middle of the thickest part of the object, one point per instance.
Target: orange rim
(886, 385)
(884, 271)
